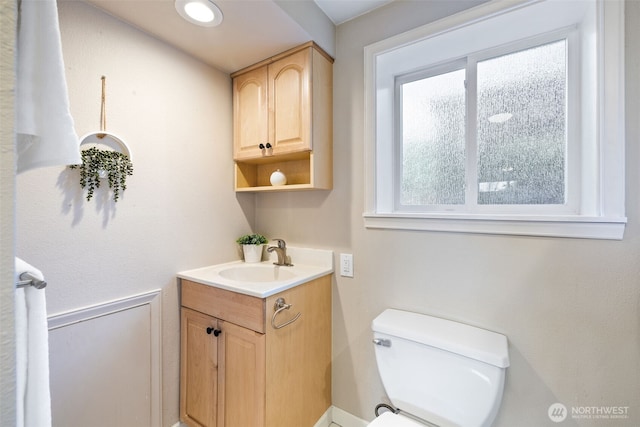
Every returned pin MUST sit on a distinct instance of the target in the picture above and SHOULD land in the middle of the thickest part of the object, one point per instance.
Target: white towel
(45, 132)
(32, 353)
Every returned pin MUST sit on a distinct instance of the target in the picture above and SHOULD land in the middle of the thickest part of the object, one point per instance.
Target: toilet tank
(444, 372)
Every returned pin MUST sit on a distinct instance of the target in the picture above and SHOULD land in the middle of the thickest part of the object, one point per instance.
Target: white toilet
(437, 371)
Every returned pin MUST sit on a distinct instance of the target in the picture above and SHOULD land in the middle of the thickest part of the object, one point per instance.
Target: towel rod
(27, 279)
(280, 305)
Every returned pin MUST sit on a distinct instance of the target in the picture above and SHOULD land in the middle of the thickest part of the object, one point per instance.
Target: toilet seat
(389, 419)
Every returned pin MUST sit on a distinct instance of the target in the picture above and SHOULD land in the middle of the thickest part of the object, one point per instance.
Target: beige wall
(569, 307)
(179, 210)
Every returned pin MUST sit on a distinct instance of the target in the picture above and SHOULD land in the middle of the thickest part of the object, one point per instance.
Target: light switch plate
(346, 265)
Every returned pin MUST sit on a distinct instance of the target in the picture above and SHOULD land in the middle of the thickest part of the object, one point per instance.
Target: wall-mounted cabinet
(283, 119)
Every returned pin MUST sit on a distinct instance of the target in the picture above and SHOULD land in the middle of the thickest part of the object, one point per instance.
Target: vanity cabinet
(237, 370)
(282, 119)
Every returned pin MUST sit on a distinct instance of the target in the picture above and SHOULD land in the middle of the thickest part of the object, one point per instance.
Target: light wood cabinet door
(242, 380)
(290, 103)
(250, 115)
(198, 369)
(222, 376)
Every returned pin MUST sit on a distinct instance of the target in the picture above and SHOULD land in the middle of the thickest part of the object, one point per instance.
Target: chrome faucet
(281, 251)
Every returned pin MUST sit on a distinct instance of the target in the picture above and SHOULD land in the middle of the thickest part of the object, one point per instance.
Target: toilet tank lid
(470, 341)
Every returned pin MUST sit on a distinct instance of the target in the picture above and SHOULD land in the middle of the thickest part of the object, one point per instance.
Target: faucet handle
(281, 243)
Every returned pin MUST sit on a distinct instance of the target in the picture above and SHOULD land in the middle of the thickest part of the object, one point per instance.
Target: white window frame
(600, 213)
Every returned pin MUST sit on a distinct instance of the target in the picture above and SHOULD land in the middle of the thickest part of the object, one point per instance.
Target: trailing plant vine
(96, 163)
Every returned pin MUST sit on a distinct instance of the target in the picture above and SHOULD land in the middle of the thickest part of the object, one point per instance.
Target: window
(511, 151)
(494, 121)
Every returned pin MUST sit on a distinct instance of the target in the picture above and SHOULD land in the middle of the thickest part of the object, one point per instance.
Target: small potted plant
(252, 246)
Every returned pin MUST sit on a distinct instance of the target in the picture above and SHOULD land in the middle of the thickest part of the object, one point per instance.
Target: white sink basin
(257, 273)
(265, 279)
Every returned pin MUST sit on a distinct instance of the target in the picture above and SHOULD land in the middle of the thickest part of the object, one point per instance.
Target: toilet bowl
(438, 371)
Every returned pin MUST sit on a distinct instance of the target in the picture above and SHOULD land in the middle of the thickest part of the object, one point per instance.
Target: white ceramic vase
(252, 253)
(277, 178)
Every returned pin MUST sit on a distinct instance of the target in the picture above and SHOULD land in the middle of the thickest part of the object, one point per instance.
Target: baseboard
(325, 419)
(333, 414)
(345, 419)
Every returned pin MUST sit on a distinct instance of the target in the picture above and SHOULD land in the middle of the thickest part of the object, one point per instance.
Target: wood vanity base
(251, 374)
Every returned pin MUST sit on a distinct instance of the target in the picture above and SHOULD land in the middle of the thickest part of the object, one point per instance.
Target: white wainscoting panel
(105, 364)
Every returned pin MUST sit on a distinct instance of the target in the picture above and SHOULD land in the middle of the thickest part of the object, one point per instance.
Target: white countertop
(308, 264)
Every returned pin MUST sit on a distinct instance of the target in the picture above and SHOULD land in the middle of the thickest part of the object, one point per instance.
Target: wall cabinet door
(290, 103)
(250, 114)
(198, 369)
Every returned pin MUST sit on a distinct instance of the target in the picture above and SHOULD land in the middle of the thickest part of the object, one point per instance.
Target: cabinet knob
(261, 146)
(268, 145)
(216, 332)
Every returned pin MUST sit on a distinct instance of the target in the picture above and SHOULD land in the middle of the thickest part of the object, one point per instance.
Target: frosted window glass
(522, 127)
(433, 140)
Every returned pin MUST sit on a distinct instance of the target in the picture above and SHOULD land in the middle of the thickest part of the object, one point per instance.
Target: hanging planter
(98, 164)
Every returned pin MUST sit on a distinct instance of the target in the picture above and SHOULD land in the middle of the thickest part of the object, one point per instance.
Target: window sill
(610, 228)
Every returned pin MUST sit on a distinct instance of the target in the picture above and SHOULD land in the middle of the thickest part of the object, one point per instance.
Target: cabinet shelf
(299, 168)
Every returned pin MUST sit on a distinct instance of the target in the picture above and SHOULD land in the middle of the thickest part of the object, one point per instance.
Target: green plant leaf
(116, 165)
(252, 239)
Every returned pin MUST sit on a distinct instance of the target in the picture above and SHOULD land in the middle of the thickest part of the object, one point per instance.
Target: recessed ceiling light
(200, 12)
(500, 118)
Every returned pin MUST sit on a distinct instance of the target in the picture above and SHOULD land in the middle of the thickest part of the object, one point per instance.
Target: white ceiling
(252, 30)
(340, 11)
